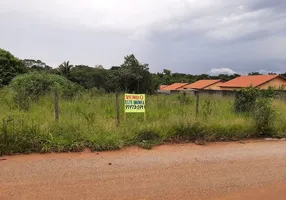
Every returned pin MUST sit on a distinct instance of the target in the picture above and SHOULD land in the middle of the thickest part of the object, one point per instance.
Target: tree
(254, 73)
(135, 77)
(167, 78)
(88, 77)
(10, 67)
(167, 72)
(36, 65)
(99, 66)
(65, 68)
(112, 81)
(115, 68)
(272, 73)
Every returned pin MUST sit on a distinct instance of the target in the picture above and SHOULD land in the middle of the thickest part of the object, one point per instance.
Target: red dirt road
(227, 171)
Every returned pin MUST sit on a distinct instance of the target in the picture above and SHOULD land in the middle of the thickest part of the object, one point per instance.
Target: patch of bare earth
(254, 170)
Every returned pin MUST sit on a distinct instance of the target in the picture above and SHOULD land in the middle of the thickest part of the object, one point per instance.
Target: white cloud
(222, 70)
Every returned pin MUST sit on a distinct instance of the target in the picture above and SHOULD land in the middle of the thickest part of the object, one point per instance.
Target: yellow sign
(134, 103)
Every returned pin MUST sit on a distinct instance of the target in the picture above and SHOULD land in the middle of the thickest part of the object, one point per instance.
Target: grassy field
(89, 121)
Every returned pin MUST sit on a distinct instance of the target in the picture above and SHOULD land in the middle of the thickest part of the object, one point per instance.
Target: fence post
(197, 102)
(117, 108)
(56, 105)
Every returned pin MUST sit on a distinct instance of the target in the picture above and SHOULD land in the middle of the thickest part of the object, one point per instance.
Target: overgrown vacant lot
(89, 121)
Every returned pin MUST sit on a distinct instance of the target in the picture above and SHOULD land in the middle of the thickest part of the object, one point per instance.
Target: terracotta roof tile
(247, 81)
(162, 86)
(175, 86)
(201, 84)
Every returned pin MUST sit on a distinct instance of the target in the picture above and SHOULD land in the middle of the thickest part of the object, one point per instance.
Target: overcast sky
(190, 36)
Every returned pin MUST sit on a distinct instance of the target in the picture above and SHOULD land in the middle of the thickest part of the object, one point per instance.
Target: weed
(264, 116)
(207, 109)
(147, 139)
(184, 99)
(89, 121)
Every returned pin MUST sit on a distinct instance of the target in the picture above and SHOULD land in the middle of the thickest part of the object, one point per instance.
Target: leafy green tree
(65, 68)
(88, 77)
(167, 78)
(135, 77)
(112, 81)
(36, 65)
(254, 73)
(99, 66)
(115, 68)
(167, 72)
(10, 67)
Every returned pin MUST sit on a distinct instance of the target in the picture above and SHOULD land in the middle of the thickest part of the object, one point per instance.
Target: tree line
(131, 76)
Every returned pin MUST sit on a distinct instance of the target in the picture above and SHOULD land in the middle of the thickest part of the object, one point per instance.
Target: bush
(29, 87)
(245, 100)
(264, 116)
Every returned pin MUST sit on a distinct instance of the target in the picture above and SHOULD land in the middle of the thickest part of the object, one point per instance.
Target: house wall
(226, 93)
(213, 86)
(229, 88)
(276, 83)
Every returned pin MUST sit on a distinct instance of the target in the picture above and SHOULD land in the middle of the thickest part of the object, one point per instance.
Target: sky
(186, 36)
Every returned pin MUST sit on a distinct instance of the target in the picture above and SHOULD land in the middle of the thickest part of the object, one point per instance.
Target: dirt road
(254, 170)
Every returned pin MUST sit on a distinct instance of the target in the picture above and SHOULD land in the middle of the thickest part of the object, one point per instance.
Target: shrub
(29, 87)
(245, 100)
(264, 116)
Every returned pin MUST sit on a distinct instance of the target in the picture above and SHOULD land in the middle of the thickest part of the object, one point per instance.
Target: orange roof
(175, 86)
(247, 81)
(201, 84)
(162, 86)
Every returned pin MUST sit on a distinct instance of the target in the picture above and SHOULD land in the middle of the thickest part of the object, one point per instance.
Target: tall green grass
(89, 121)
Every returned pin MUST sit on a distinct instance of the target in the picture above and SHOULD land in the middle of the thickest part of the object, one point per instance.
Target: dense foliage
(245, 99)
(258, 104)
(131, 76)
(166, 77)
(30, 87)
(10, 67)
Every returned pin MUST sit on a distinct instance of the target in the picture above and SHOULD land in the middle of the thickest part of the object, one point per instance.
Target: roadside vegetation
(88, 120)
(87, 109)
